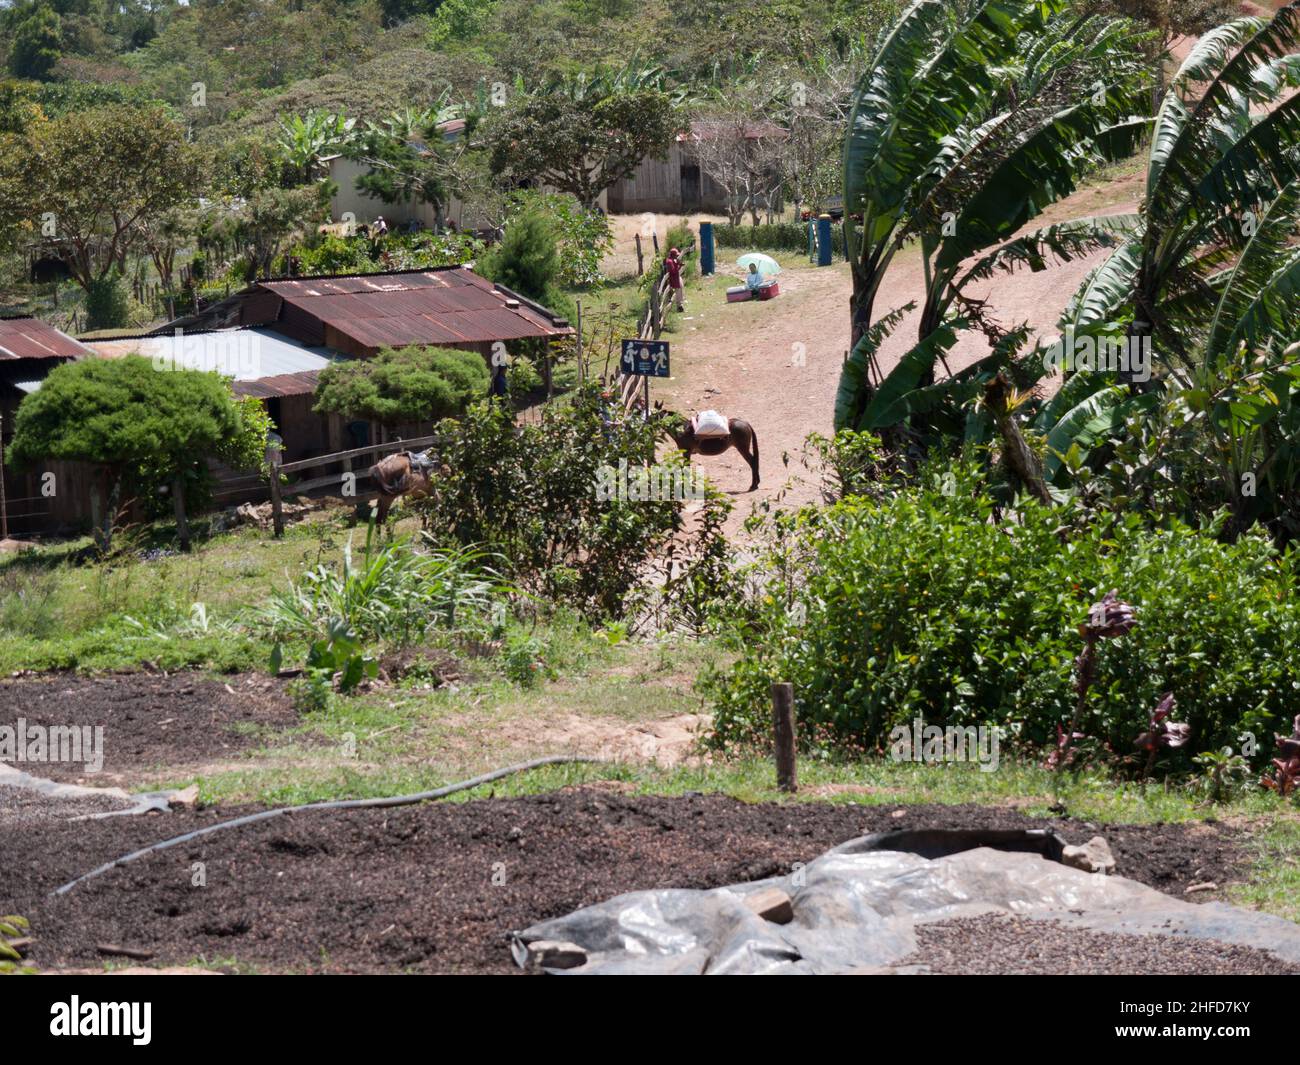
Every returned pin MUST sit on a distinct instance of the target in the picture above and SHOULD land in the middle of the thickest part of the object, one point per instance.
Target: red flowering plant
(1161, 732)
(1286, 767)
(1107, 620)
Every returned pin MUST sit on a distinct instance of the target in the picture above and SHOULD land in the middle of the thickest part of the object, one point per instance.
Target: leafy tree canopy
(127, 415)
(581, 146)
(90, 179)
(403, 385)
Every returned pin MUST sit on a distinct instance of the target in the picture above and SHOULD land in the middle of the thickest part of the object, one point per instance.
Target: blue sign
(645, 358)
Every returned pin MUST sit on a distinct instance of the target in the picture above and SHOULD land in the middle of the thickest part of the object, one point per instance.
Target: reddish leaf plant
(1286, 769)
(1161, 732)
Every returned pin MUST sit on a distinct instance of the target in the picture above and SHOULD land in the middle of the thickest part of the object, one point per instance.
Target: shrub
(780, 236)
(530, 494)
(925, 604)
(528, 260)
(144, 427)
(403, 385)
(396, 593)
(107, 304)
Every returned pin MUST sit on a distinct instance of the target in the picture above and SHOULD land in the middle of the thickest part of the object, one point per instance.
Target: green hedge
(924, 605)
(780, 236)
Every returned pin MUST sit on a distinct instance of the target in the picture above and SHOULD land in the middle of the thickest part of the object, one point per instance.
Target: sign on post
(645, 358)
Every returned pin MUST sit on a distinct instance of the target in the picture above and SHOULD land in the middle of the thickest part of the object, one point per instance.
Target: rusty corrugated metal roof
(287, 384)
(30, 338)
(449, 305)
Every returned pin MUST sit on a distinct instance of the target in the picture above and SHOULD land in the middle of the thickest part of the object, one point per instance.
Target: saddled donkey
(404, 474)
(740, 435)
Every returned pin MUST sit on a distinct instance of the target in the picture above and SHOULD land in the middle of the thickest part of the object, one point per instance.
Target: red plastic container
(769, 289)
(738, 294)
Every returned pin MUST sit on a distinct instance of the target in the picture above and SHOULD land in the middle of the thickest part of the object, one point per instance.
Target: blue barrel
(825, 247)
(706, 248)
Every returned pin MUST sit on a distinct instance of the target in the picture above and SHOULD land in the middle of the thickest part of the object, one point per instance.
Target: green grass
(58, 611)
(1274, 884)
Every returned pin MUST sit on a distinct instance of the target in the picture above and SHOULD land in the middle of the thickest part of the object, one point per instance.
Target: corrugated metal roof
(30, 338)
(288, 384)
(252, 357)
(451, 305)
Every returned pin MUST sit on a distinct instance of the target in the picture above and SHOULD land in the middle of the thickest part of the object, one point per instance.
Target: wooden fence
(634, 391)
(280, 491)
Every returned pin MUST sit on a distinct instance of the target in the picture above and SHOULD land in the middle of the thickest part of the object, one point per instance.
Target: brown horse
(395, 475)
(741, 436)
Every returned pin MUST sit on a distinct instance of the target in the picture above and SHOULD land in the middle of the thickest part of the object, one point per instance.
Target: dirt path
(777, 363)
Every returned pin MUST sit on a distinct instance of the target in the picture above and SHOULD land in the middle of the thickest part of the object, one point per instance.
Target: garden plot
(439, 887)
(137, 726)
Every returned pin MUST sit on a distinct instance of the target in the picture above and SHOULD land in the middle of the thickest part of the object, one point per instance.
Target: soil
(998, 944)
(412, 888)
(149, 721)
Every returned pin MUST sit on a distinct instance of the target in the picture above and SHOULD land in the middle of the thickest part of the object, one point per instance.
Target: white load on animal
(711, 423)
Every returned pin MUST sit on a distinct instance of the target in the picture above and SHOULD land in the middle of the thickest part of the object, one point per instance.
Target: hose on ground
(339, 804)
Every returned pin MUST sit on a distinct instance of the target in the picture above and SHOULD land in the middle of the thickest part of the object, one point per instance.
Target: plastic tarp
(857, 906)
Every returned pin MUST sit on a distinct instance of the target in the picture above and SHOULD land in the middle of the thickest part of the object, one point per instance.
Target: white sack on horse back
(711, 423)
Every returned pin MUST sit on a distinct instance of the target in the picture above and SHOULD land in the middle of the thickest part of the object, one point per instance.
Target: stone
(555, 954)
(1093, 857)
(771, 904)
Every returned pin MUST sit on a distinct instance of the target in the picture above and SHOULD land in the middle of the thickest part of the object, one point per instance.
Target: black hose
(340, 804)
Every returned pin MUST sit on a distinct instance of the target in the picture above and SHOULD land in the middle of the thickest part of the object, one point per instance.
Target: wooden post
(783, 735)
(655, 238)
(273, 455)
(582, 361)
(178, 505)
(640, 257)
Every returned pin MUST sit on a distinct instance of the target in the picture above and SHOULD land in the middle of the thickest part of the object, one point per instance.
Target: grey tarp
(856, 907)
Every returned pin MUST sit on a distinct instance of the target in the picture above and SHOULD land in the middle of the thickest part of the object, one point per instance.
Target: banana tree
(306, 140)
(973, 118)
(1218, 204)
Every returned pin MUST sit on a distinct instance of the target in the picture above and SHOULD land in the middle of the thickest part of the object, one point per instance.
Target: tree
(306, 141)
(407, 156)
(580, 146)
(403, 385)
(35, 48)
(1210, 279)
(742, 151)
(527, 259)
(143, 427)
(396, 11)
(967, 125)
(89, 181)
(267, 221)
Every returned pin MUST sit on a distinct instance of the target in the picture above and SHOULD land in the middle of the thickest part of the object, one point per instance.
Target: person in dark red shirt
(673, 267)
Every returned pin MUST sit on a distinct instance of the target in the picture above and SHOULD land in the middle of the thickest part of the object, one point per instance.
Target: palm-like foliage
(1212, 274)
(306, 140)
(973, 118)
(1210, 267)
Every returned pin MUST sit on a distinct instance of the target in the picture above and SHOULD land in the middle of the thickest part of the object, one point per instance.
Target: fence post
(582, 359)
(273, 457)
(640, 257)
(182, 521)
(783, 735)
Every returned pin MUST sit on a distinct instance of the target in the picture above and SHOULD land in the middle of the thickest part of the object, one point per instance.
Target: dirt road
(777, 363)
